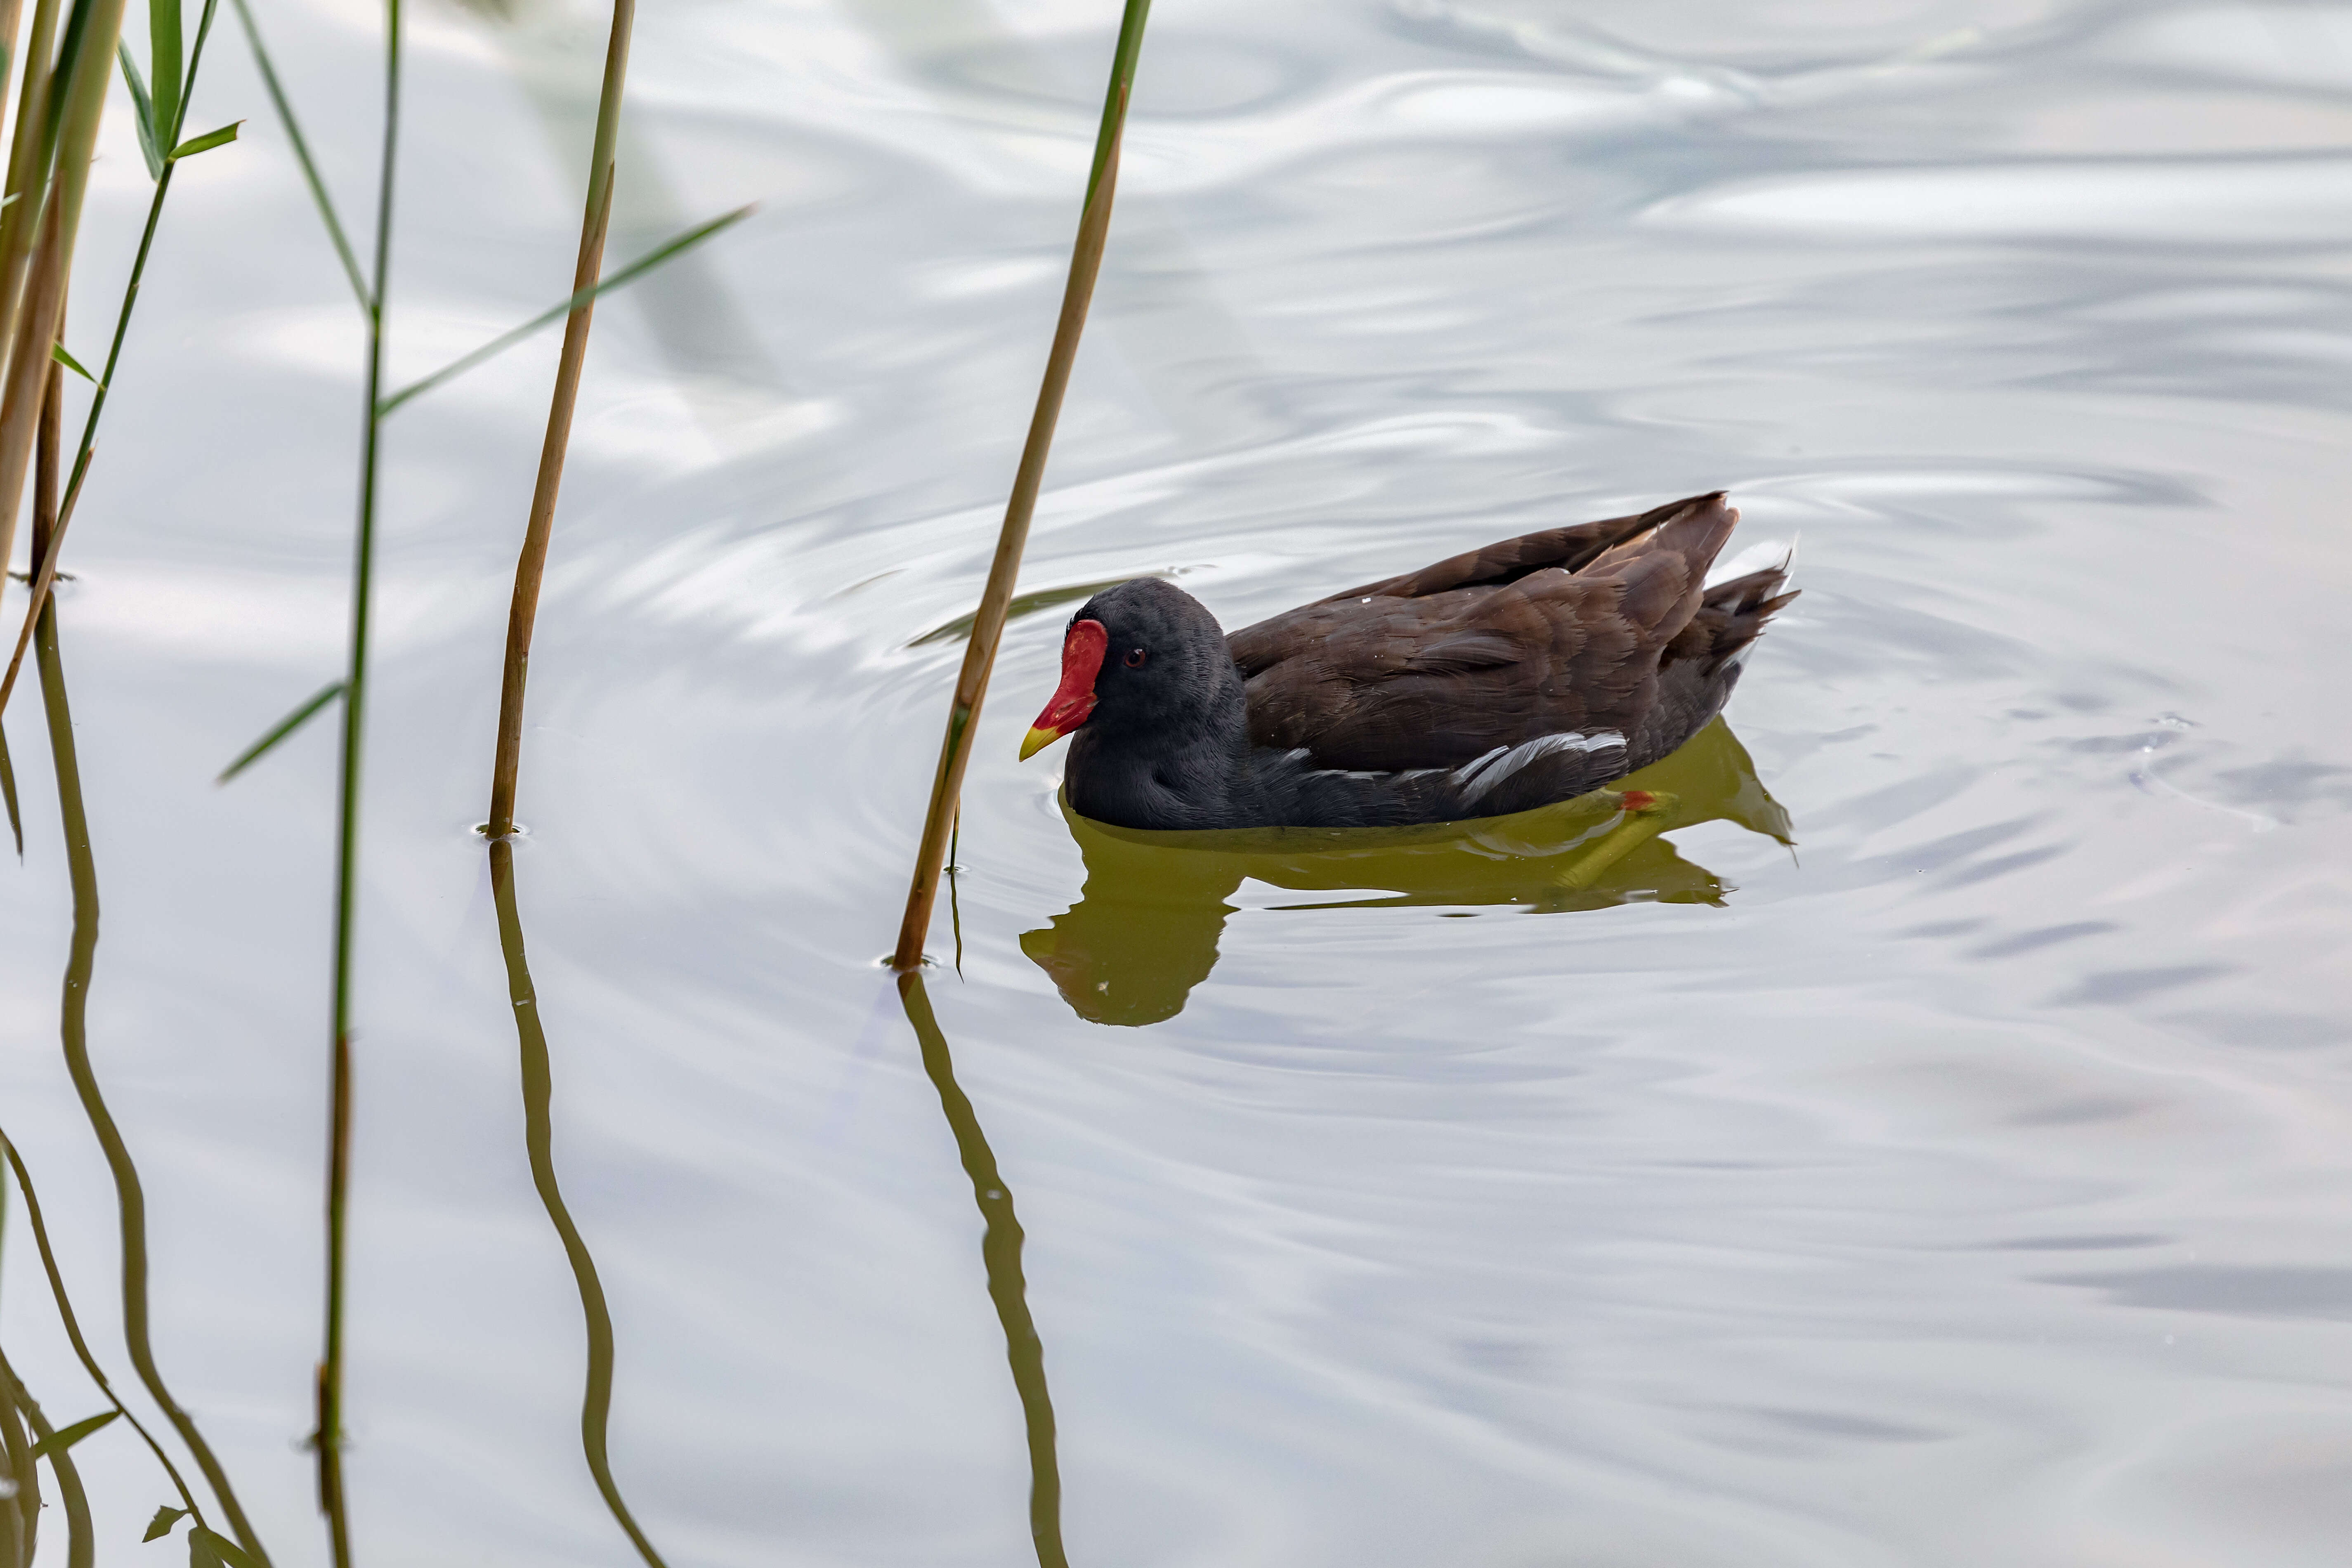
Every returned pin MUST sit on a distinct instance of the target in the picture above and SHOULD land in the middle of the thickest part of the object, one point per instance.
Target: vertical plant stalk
(532, 567)
(84, 103)
(45, 259)
(74, 1025)
(995, 599)
(538, 1140)
(28, 165)
(12, 18)
(999, 1252)
(328, 1437)
(45, 562)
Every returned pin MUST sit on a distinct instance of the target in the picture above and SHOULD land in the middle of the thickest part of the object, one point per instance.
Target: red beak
(1082, 657)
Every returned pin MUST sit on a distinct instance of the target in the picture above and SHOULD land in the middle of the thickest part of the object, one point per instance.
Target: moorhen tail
(1495, 681)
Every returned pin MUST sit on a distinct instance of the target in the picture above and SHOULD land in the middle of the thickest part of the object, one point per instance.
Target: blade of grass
(58, 352)
(530, 567)
(73, 1324)
(279, 731)
(164, 59)
(67, 61)
(208, 141)
(578, 302)
(143, 112)
(327, 1438)
(1005, 570)
(539, 1142)
(999, 1252)
(319, 196)
(179, 123)
(28, 168)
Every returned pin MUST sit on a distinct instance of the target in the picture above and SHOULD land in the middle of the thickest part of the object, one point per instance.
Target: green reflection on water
(20, 1510)
(539, 1139)
(1145, 929)
(999, 1252)
(73, 1034)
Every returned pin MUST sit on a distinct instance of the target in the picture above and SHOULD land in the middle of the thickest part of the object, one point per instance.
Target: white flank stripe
(1479, 777)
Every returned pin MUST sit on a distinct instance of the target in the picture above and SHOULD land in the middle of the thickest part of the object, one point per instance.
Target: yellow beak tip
(1036, 741)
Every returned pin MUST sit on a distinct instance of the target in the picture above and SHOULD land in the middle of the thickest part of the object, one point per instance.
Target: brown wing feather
(1410, 674)
(1569, 549)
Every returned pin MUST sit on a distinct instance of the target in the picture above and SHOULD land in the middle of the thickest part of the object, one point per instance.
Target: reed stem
(91, 48)
(28, 167)
(45, 562)
(988, 624)
(328, 1437)
(530, 568)
(11, 16)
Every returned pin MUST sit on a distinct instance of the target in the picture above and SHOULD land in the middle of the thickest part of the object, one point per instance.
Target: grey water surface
(1970, 1182)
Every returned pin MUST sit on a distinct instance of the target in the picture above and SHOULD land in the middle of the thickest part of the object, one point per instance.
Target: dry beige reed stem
(20, 222)
(996, 598)
(38, 320)
(530, 568)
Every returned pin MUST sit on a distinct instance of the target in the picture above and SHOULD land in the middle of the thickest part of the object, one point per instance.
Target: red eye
(1134, 659)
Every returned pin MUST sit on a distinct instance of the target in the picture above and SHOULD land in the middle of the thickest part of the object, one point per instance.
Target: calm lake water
(1935, 1148)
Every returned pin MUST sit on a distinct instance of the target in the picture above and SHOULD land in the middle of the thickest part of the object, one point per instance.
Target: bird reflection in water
(1144, 931)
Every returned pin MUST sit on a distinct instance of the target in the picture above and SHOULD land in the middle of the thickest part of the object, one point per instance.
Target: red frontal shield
(1082, 659)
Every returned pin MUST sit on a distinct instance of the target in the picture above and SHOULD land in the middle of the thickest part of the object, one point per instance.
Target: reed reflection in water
(1000, 1251)
(81, 964)
(539, 1138)
(1145, 929)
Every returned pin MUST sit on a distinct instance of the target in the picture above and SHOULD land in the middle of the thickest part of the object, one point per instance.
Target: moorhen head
(1529, 671)
(1160, 719)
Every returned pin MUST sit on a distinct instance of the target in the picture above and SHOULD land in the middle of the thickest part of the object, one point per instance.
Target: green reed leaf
(164, 56)
(58, 352)
(143, 111)
(284, 727)
(61, 73)
(166, 1519)
(629, 274)
(208, 141)
(66, 1437)
(311, 175)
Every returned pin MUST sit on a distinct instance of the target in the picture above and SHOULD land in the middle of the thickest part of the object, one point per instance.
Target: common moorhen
(1495, 681)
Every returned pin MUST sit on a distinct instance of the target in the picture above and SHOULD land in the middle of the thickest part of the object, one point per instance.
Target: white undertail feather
(1477, 778)
(1757, 557)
